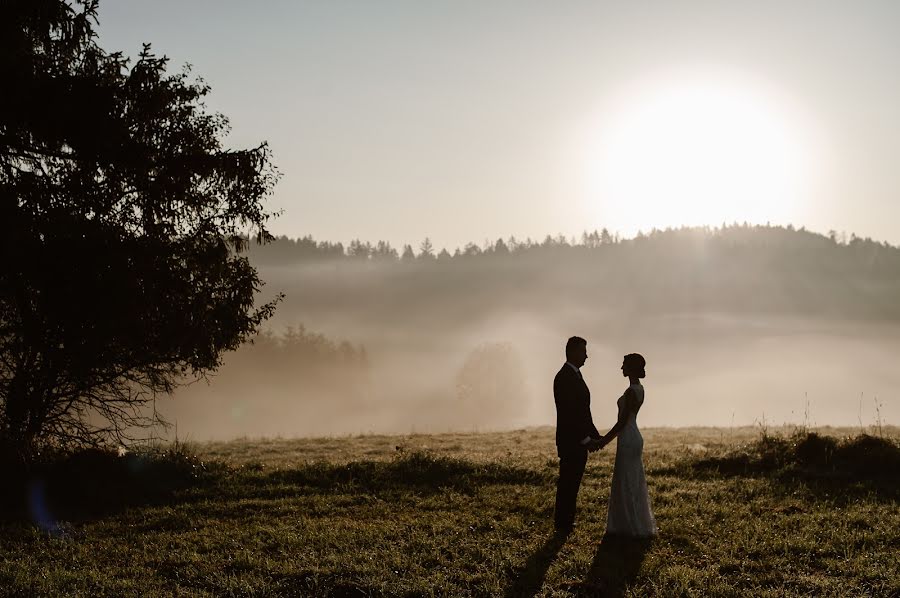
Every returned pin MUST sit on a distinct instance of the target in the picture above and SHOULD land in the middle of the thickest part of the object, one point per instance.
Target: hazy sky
(467, 121)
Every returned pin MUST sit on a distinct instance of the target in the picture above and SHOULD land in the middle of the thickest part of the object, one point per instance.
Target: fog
(474, 344)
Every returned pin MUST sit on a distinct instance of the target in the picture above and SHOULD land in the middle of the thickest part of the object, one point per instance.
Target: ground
(463, 515)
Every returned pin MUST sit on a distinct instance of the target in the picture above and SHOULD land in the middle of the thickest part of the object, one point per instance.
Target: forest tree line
(730, 269)
(286, 250)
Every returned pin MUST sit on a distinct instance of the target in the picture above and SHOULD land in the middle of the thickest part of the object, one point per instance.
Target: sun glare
(696, 152)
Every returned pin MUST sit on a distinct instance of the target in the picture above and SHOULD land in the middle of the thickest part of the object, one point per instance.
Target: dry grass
(469, 514)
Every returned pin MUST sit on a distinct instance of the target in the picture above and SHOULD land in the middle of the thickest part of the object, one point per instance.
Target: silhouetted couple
(628, 512)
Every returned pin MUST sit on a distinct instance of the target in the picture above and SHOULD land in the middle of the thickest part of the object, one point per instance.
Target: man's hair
(575, 341)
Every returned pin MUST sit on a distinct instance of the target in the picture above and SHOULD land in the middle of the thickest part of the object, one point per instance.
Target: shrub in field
(859, 457)
(814, 449)
(417, 470)
(93, 482)
(871, 455)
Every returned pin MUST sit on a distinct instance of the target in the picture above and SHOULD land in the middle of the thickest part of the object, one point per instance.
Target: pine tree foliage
(125, 219)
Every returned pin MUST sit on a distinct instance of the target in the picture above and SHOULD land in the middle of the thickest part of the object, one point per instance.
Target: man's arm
(565, 395)
(590, 430)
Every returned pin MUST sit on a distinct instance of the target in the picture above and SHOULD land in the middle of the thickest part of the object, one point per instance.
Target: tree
(384, 251)
(426, 249)
(359, 250)
(492, 378)
(472, 250)
(122, 270)
(408, 254)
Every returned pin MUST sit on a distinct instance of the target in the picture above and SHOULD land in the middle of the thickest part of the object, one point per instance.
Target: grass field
(740, 514)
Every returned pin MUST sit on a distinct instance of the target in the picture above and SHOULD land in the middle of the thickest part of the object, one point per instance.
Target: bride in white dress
(629, 513)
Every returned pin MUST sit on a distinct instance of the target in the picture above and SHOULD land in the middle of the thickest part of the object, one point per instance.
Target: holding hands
(597, 444)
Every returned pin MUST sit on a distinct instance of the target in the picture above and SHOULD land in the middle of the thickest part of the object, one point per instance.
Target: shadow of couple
(616, 563)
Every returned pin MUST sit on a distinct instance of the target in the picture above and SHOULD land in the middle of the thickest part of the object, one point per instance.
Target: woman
(629, 512)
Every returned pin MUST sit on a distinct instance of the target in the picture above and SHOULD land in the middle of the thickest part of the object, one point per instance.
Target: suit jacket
(573, 411)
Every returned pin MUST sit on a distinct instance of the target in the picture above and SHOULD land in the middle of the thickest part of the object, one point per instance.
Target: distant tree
(500, 248)
(444, 255)
(408, 253)
(306, 248)
(333, 250)
(125, 218)
(493, 379)
(590, 240)
(471, 250)
(383, 251)
(426, 249)
(359, 250)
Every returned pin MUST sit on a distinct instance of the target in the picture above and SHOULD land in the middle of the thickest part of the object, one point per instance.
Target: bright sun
(690, 152)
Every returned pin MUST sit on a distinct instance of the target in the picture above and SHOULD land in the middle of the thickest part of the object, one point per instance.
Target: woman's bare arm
(626, 413)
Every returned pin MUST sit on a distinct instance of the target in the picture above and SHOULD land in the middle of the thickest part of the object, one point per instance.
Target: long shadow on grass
(840, 471)
(528, 580)
(616, 564)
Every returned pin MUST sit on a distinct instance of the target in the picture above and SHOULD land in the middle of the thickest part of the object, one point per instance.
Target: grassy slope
(468, 514)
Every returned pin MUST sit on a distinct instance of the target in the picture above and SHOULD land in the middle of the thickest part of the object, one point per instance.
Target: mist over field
(739, 325)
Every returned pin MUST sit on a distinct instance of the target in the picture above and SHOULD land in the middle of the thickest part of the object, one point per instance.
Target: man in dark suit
(575, 431)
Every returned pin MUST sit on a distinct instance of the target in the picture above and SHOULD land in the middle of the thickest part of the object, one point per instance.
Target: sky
(470, 121)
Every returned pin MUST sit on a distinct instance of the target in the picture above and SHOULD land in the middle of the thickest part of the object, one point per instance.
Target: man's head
(576, 351)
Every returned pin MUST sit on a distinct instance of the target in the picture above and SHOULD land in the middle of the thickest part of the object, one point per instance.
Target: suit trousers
(571, 470)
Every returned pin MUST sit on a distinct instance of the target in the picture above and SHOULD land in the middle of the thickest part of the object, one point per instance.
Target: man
(575, 431)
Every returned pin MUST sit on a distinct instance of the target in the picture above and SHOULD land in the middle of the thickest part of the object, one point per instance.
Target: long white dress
(629, 512)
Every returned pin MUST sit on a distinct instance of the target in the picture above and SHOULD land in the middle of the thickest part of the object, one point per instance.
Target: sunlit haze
(698, 148)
